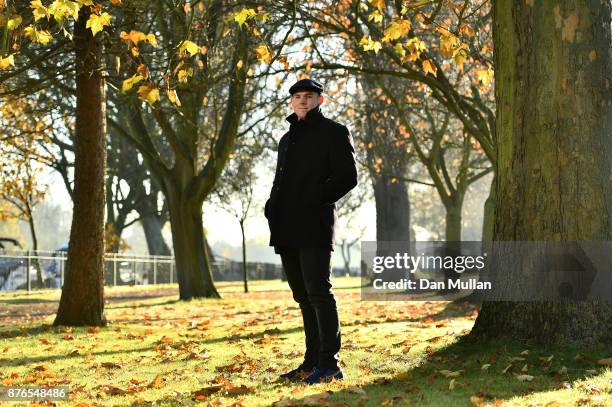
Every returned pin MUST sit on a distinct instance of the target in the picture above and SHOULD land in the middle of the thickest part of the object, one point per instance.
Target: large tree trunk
(392, 210)
(82, 299)
(193, 266)
(553, 129)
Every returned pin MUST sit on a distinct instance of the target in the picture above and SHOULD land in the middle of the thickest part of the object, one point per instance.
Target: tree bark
(82, 299)
(553, 130)
(193, 268)
(488, 220)
(453, 221)
(153, 226)
(392, 210)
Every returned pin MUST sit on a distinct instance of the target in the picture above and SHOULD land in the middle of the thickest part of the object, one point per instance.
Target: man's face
(302, 102)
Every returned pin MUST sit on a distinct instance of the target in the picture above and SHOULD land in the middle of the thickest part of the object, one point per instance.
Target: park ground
(228, 352)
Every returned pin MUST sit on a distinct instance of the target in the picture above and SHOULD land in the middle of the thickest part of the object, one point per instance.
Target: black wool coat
(315, 168)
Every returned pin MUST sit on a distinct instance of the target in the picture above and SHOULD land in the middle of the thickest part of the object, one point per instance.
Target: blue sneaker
(323, 375)
(299, 373)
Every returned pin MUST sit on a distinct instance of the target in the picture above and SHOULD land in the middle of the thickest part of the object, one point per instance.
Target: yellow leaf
(184, 75)
(460, 56)
(485, 75)
(97, 22)
(243, 15)
(370, 45)
(143, 70)
(451, 385)
(396, 30)
(61, 9)
(379, 4)
(133, 36)
(448, 42)
(376, 16)
(39, 36)
(399, 49)
(38, 10)
(415, 47)
(149, 93)
(151, 39)
(263, 16)
(13, 22)
(130, 82)
(429, 67)
(85, 3)
(263, 53)
(5, 62)
(239, 64)
(173, 97)
(190, 47)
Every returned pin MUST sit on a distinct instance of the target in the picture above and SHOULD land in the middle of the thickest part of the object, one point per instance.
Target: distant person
(315, 168)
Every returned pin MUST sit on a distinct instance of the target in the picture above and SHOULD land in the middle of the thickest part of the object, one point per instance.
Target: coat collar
(312, 116)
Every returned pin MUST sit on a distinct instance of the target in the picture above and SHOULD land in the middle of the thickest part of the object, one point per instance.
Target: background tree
(20, 185)
(444, 148)
(206, 84)
(235, 194)
(553, 133)
(348, 209)
(430, 43)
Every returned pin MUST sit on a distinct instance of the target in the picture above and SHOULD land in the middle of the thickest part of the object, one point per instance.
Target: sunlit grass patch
(231, 350)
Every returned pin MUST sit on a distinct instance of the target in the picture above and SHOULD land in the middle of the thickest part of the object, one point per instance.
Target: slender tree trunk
(553, 130)
(39, 275)
(82, 299)
(190, 255)
(345, 250)
(244, 259)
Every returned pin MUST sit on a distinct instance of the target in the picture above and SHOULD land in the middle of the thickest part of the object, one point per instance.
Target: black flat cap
(306, 84)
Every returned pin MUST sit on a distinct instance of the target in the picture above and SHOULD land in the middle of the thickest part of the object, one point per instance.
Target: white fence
(19, 270)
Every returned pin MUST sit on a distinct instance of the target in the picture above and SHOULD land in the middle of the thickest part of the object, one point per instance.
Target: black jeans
(308, 272)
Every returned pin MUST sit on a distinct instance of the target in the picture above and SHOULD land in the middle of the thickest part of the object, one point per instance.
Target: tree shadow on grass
(454, 376)
(20, 301)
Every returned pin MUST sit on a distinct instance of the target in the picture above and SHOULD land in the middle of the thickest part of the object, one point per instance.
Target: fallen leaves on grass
(449, 373)
(226, 387)
(110, 365)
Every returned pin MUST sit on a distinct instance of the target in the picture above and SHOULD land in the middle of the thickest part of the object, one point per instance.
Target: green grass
(393, 353)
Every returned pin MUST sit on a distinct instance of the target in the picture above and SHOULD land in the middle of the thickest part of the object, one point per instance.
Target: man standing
(315, 168)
